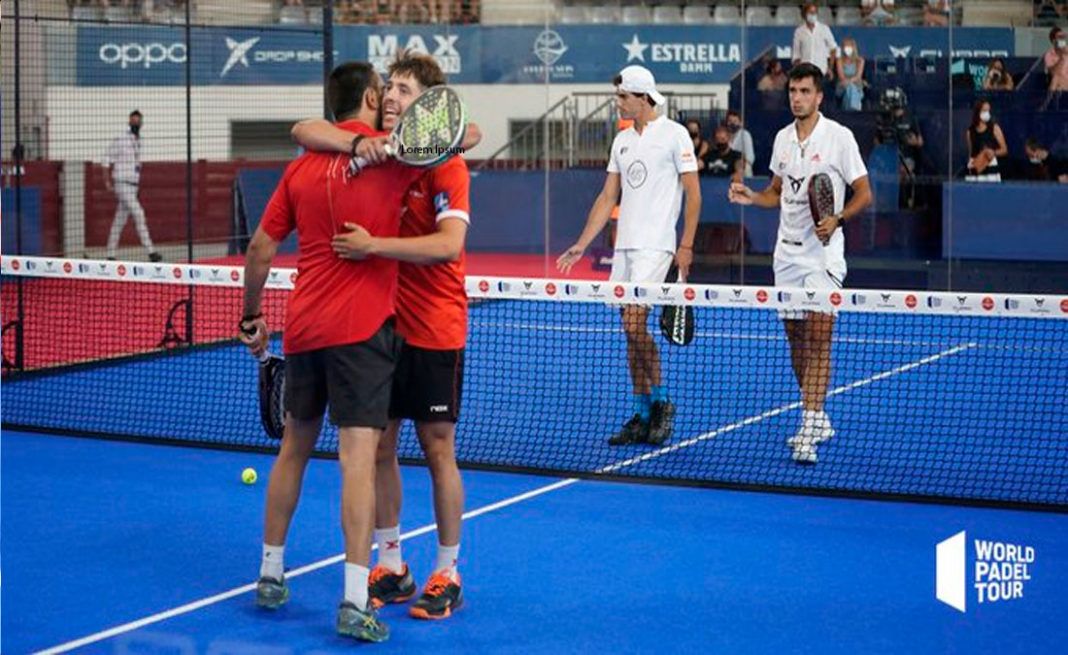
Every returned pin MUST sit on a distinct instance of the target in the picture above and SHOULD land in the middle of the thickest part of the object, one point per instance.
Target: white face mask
(1061, 43)
(1036, 160)
(984, 116)
(812, 18)
(848, 50)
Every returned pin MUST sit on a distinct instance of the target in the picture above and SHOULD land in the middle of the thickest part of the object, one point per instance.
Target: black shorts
(353, 379)
(428, 384)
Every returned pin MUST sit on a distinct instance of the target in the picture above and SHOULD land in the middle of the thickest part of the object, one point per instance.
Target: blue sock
(659, 394)
(641, 405)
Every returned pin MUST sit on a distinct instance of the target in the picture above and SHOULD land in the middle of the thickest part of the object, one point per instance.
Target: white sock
(810, 419)
(448, 557)
(272, 565)
(824, 421)
(389, 548)
(356, 584)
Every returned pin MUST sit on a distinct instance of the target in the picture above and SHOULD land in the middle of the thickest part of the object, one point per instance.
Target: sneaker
(803, 444)
(155, 257)
(270, 593)
(361, 624)
(634, 431)
(661, 422)
(385, 586)
(440, 599)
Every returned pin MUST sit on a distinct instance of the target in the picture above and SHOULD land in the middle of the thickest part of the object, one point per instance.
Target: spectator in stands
(986, 143)
(1040, 166)
(997, 78)
(124, 179)
(879, 13)
(814, 43)
(294, 3)
(851, 76)
(1056, 60)
(741, 140)
(700, 144)
(936, 13)
(774, 77)
(723, 161)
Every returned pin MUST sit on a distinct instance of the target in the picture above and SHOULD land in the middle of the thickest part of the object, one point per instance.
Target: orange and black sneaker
(440, 599)
(385, 586)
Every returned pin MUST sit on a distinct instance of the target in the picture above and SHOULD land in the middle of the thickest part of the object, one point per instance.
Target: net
(953, 396)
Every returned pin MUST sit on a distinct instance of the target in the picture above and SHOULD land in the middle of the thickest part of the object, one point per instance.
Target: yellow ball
(248, 476)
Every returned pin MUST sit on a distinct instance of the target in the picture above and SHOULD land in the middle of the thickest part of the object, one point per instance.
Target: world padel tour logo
(1000, 571)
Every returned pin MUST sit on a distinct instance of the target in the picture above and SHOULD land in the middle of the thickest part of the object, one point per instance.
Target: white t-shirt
(743, 143)
(831, 149)
(124, 154)
(814, 46)
(649, 165)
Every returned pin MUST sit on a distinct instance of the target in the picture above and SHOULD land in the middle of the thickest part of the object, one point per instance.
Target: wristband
(355, 142)
(248, 318)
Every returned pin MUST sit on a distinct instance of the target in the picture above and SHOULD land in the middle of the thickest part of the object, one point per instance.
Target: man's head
(135, 122)
(636, 93)
(811, 13)
(354, 90)
(734, 120)
(722, 139)
(1036, 152)
(774, 67)
(410, 74)
(693, 126)
(806, 89)
(1057, 38)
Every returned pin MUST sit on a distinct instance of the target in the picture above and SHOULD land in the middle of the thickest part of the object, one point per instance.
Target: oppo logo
(131, 55)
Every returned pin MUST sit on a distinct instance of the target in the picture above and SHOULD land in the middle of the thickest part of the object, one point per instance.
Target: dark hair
(136, 112)
(772, 63)
(346, 86)
(695, 121)
(422, 67)
(618, 79)
(733, 112)
(1053, 34)
(1034, 144)
(978, 109)
(806, 70)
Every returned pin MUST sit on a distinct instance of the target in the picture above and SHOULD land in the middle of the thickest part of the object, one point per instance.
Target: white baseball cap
(638, 80)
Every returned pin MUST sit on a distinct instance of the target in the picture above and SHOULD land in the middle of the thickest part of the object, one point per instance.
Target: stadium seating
(788, 15)
(726, 15)
(667, 15)
(759, 16)
(696, 15)
(636, 15)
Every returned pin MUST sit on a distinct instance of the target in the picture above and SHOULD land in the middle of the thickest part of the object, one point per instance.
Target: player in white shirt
(813, 42)
(807, 255)
(124, 178)
(652, 164)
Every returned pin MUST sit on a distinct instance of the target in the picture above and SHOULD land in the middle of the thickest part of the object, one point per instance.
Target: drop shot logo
(1000, 571)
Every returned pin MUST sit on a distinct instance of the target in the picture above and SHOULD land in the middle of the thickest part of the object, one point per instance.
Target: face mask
(1061, 43)
(722, 146)
(1036, 160)
(136, 129)
(694, 133)
(984, 116)
(734, 127)
(812, 18)
(848, 50)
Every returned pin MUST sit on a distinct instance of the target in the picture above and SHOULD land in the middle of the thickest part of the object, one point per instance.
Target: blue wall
(1013, 221)
(31, 221)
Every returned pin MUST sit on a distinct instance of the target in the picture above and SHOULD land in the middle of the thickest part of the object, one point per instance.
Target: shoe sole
(379, 603)
(422, 614)
(272, 604)
(362, 636)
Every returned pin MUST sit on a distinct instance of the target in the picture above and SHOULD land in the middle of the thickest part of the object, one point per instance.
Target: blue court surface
(123, 548)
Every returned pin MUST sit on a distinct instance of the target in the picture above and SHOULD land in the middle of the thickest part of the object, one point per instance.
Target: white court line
(485, 509)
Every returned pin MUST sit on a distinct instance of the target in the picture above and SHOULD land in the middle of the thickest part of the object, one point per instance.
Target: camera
(892, 124)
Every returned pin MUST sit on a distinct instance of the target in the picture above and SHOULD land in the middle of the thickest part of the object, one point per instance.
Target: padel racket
(272, 394)
(676, 322)
(429, 131)
(821, 197)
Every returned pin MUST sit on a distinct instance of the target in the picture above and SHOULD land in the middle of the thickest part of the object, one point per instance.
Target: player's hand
(253, 333)
(357, 243)
(684, 259)
(570, 257)
(740, 194)
(825, 229)
(373, 149)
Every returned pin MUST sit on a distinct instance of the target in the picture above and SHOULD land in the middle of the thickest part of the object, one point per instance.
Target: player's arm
(690, 218)
(999, 136)
(444, 245)
(769, 198)
(598, 217)
(253, 328)
(321, 135)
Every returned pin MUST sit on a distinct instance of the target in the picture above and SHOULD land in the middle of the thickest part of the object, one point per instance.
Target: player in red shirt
(432, 319)
(340, 342)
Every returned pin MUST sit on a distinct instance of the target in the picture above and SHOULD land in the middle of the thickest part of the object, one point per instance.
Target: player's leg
(653, 267)
(636, 428)
(122, 212)
(141, 224)
(390, 580)
(305, 398)
(819, 329)
(795, 335)
(359, 380)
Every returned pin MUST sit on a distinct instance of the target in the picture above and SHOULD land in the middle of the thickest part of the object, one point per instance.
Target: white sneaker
(803, 444)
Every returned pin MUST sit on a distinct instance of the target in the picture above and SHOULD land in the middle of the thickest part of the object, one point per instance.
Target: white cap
(638, 80)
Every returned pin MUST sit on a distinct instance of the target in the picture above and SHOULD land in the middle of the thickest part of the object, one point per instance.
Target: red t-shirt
(337, 301)
(431, 300)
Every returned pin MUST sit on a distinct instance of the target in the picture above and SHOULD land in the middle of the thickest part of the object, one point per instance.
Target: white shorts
(641, 266)
(805, 276)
